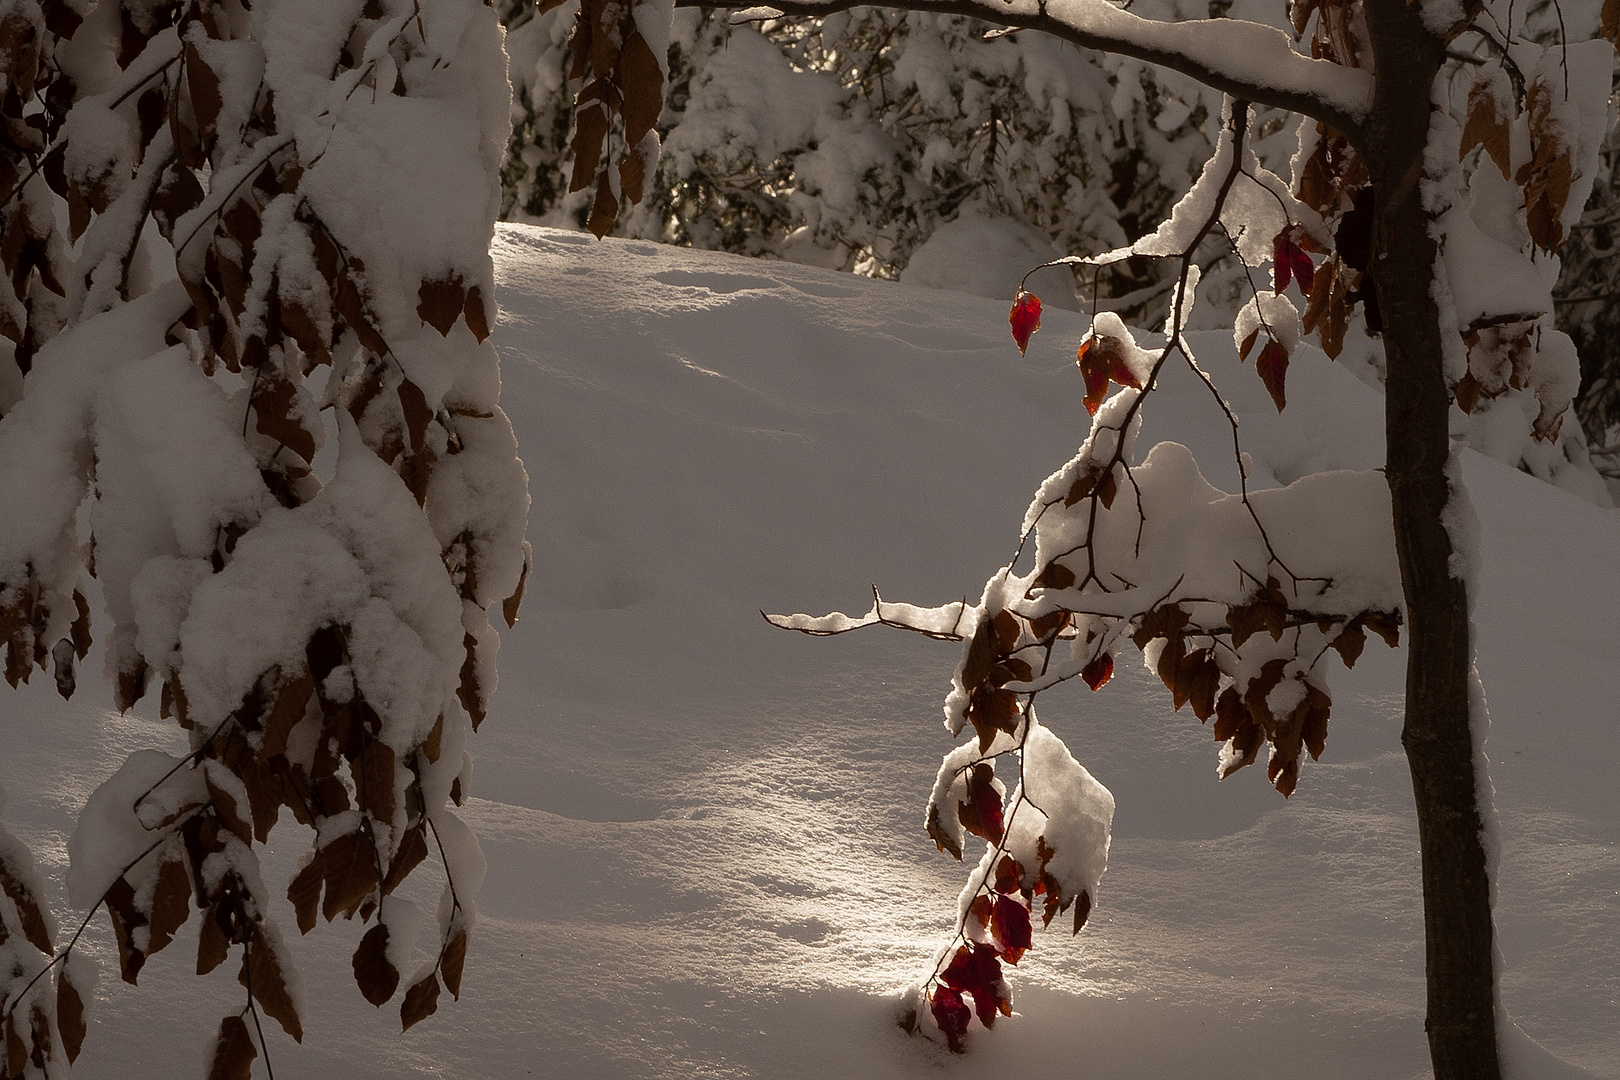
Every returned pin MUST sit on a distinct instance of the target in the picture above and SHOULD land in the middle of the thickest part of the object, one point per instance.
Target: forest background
(917, 147)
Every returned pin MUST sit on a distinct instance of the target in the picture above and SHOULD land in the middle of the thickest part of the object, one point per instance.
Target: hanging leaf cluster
(624, 82)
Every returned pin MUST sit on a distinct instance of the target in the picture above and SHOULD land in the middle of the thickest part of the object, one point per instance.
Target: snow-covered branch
(1247, 60)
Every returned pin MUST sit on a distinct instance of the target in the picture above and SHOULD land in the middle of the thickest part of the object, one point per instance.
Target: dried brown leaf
(981, 813)
(70, 1014)
(171, 902)
(213, 943)
(413, 403)
(469, 692)
(509, 606)
(591, 121)
(421, 1002)
(941, 837)
(206, 100)
(261, 973)
(79, 632)
(230, 815)
(1082, 910)
(452, 961)
(373, 972)
(412, 850)
(274, 401)
(641, 81)
(1169, 622)
(441, 302)
(1349, 643)
(16, 1049)
(373, 774)
(305, 892)
(1260, 687)
(287, 708)
(1487, 127)
(28, 909)
(473, 311)
(1385, 626)
(605, 209)
(350, 864)
(233, 1051)
(125, 917)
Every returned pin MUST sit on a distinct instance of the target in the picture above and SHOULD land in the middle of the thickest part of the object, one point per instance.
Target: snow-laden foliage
(1536, 155)
(277, 225)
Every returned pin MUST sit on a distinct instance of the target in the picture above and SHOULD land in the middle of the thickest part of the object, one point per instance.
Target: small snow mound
(987, 255)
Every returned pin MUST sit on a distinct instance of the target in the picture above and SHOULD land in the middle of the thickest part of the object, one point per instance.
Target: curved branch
(1247, 60)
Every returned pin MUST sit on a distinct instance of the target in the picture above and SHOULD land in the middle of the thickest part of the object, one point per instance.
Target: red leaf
(1121, 373)
(1304, 270)
(1025, 318)
(1102, 358)
(1273, 369)
(977, 971)
(951, 1014)
(1288, 260)
(1096, 384)
(1281, 265)
(1009, 924)
(1009, 875)
(979, 914)
(1099, 671)
(981, 813)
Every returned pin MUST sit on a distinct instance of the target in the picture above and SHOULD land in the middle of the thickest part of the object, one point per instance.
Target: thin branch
(61, 957)
(252, 1010)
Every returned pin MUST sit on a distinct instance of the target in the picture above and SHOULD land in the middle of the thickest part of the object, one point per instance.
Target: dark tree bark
(1461, 1021)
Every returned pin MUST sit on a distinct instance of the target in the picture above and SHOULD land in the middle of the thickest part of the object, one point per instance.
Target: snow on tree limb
(1247, 60)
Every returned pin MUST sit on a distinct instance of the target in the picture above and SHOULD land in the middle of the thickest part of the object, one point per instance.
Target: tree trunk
(1461, 1020)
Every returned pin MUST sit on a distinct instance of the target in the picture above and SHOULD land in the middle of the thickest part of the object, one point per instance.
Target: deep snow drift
(704, 835)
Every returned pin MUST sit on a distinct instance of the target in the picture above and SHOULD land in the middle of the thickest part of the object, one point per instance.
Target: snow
(701, 840)
(988, 254)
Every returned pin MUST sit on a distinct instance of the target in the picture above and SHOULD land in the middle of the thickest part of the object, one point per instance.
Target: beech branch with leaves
(323, 180)
(1189, 575)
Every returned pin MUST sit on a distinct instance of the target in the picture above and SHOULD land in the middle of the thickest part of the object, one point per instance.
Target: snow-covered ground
(706, 854)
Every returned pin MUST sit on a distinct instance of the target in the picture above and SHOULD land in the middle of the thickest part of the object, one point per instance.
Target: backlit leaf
(981, 811)
(1097, 673)
(1273, 370)
(951, 1013)
(1025, 318)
